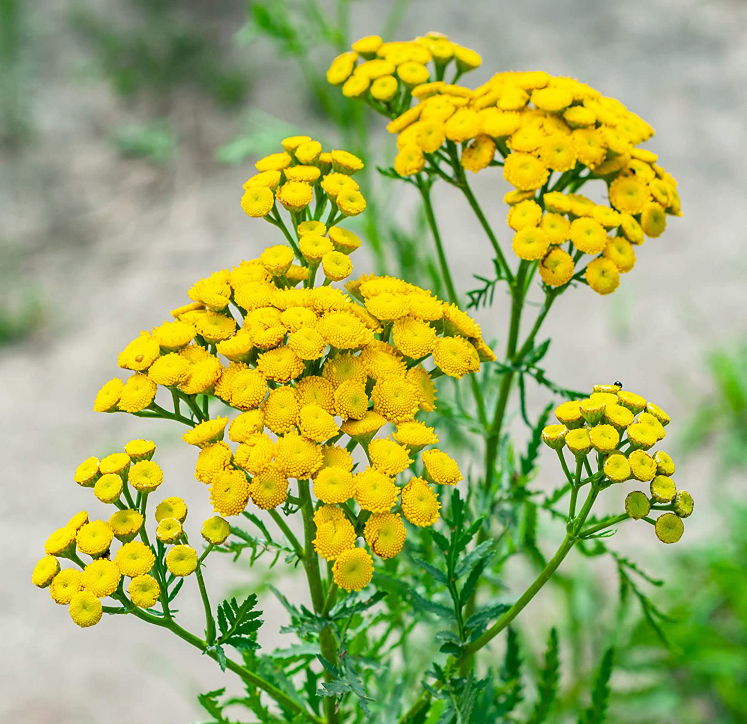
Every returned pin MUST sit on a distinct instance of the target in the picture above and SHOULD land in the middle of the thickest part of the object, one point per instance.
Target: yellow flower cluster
(622, 428)
(388, 72)
(295, 175)
(305, 367)
(123, 480)
(551, 135)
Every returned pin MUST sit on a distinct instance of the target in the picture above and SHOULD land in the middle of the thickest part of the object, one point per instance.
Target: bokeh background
(126, 131)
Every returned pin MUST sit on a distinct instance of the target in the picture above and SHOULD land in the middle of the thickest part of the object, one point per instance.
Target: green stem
(287, 532)
(552, 565)
(463, 184)
(604, 524)
(575, 485)
(313, 575)
(209, 620)
(245, 674)
(425, 193)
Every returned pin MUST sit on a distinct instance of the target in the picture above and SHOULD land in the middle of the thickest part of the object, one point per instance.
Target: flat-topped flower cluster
(550, 134)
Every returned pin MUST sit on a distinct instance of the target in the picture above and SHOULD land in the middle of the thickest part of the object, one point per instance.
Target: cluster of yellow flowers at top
(621, 427)
(388, 72)
(124, 480)
(540, 125)
(306, 367)
(295, 175)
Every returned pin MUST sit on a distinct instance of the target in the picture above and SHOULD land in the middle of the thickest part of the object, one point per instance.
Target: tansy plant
(324, 388)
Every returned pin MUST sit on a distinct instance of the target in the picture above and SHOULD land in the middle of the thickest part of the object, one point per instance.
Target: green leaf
(209, 702)
(511, 673)
(478, 621)
(597, 711)
(239, 624)
(431, 606)
(434, 572)
(548, 681)
(345, 680)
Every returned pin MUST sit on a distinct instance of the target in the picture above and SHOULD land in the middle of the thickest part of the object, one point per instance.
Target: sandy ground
(112, 245)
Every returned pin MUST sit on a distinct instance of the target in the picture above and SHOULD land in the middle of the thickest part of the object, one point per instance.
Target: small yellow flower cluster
(540, 125)
(293, 176)
(306, 366)
(123, 480)
(622, 427)
(389, 71)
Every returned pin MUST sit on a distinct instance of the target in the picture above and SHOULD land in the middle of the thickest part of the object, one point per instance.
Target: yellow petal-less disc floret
(385, 534)
(145, 476)
(181, 560)
(65, 585)
(389, 457)
(415, 435)
(637, 505)
(642, 465)
(135, 559)
(87, 472)
(108, 396)
(144, 591)
(455, 356)
(101, 577)
(206, 433)
(126, 524)
(604, 438)
(216, 530)
(171, 508)
(61, 542)
(169, 530)
(138, 392)
(85, 609)
(395, 399)
(617, 468)
(441, 468)
(603, 276)
(94, 538)
(114, 463)
(334, 485)
(375, 491)
(578, 442)
(108, 488)
(297, 456)
(556, 267)
(257, 201)
(45, 571)
(140, 450)
(353, 569)
(663, 489)
(669, 528)
(664, 463)
(333, 538)
(269, 488)
(316, 424)
(229, 492)
(420, 504)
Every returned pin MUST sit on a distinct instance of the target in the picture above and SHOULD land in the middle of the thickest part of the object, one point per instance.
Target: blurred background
(126, 132)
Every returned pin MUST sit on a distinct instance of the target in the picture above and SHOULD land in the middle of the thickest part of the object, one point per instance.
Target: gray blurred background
(127, 130)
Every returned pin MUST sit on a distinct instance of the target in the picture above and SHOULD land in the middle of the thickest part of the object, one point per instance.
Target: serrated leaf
(480, 551)
(548, 681)
(432, 606)
(429, 568)
(597, 711)
(239, 624)
(478, 620)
